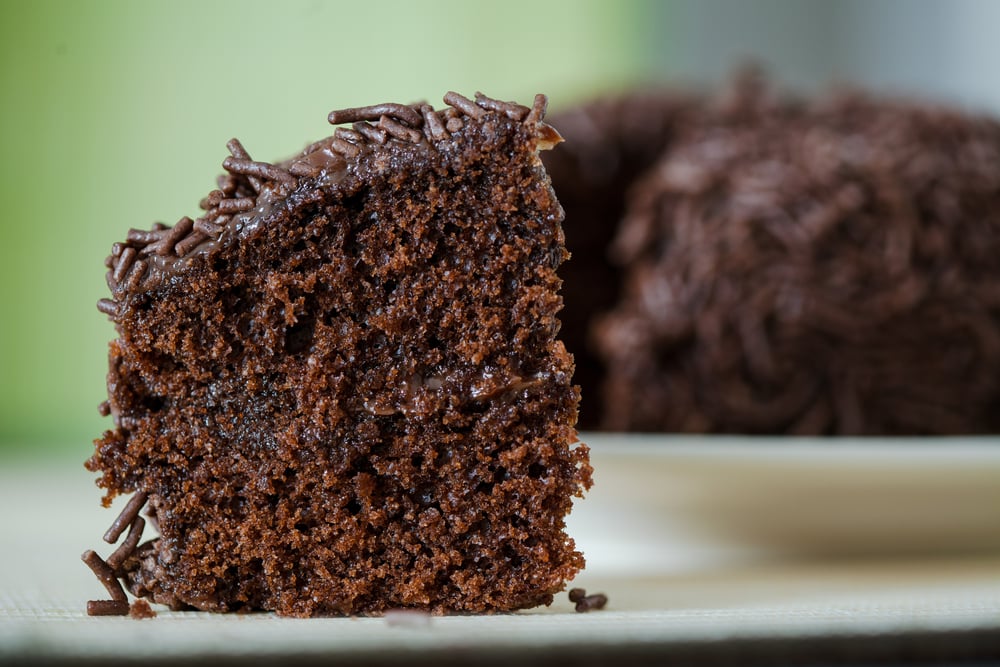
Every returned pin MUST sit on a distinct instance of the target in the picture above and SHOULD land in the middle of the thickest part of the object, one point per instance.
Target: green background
(116, 114)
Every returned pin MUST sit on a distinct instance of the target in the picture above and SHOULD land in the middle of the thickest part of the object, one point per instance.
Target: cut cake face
(340, 390)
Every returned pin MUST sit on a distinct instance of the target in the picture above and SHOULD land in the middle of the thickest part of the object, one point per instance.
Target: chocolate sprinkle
(141, 237)
(352, 136)
(371, 132)
(128, 514)
(236, 205)
(125, 261)
(263, 170)
(128, 546)
(212, 229)
(512, 110)
(212, 200)
(108, 307)
(105, 575)
(538, 109)
(238, 151)
(107, 608)
(399, 130)
(404, 113)
(464, 104)
(107, 571)
(135, 275)
(304, 169)
(433, 123)
(190, 242)
(345, 148)
(169, 238)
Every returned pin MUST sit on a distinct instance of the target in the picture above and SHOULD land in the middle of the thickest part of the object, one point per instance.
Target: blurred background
(116, 114)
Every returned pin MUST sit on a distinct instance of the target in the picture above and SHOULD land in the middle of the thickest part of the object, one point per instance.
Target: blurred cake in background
(749, 262)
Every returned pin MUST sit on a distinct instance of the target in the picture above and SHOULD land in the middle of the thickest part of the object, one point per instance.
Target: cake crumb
(140, 609)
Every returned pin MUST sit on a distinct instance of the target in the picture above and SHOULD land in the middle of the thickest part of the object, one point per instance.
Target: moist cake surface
(340, 390)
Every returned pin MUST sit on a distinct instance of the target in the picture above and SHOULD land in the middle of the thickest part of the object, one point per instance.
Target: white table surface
(865, 548)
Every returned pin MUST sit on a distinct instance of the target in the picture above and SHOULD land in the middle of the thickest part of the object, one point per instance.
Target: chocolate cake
(614, 141)
(340, 389)
(784, 265)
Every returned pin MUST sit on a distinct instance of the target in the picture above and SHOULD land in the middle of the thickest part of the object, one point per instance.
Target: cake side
(347, 394)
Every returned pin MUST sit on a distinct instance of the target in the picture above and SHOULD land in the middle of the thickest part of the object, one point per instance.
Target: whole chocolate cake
(783, 265)
(340, 390)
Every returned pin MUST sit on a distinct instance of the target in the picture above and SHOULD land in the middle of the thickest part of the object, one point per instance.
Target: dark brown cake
(615, 140)
(823, 266)
(340, 390)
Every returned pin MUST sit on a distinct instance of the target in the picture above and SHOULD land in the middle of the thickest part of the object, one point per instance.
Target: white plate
(677, 503)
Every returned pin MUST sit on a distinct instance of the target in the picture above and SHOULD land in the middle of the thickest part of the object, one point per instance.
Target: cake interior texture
(340, 390)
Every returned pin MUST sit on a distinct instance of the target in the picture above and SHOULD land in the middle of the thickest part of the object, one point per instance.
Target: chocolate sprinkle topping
(107, 608)
(464, 104)
(345, 147)
(109, 308)
(108, 571)
(242, 189)
(105, 575)
(304, 169)
(127, 516)
(370, 132)
(135, 275)
(260, 170)
(207, 227)
(512, 110)
(538, 109)
(433, 123)
(400, 111)
(236, 205)
(169, 238)
(190, 242)
(128, 546)
(352, 136)
(126, 259)
(399, 130)
(821, 266)
(237, 151)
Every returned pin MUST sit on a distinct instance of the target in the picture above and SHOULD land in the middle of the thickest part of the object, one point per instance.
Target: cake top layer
(379, 136)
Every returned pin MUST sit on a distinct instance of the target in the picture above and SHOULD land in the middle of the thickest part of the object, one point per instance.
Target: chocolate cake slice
(340, 390)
